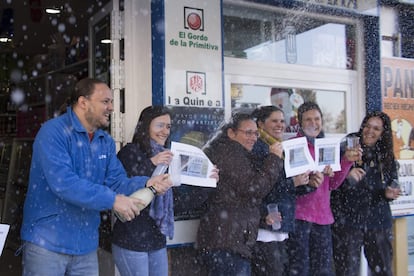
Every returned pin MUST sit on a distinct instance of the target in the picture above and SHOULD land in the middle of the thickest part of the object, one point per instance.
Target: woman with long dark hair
(139, 246)
(361, 205)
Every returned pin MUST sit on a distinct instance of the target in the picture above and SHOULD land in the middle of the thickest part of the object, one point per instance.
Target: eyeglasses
(250, 133)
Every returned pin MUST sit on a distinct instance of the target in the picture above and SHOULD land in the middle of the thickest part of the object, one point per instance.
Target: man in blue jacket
(74, 175)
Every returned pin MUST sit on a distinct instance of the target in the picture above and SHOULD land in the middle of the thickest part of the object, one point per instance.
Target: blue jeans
(310, 250)
(130, 263)
(42, 262)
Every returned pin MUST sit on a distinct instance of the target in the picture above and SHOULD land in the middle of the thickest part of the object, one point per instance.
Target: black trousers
(347, 243)
(269, 258)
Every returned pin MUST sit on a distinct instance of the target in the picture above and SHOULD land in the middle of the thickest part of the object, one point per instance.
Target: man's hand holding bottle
(128, 207)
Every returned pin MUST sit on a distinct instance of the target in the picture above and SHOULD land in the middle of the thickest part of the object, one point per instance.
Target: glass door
(100, 44)
(250, 84)
(103, 52)
(106, 59)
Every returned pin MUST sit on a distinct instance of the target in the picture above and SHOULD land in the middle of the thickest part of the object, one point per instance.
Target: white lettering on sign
(349, 4)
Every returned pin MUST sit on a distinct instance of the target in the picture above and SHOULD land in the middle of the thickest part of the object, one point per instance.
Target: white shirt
(269, 236)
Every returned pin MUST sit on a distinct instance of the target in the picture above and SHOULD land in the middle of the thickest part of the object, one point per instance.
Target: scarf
(161, 208)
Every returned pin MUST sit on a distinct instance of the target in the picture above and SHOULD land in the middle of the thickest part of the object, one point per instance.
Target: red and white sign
(196, 83)
(193, 53)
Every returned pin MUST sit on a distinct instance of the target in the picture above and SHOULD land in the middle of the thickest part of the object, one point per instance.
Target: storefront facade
(208, 59)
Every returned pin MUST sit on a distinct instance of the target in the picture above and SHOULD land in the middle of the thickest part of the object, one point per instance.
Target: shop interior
(42, 54)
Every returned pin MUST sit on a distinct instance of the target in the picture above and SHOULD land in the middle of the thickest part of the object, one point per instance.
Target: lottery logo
(196, 83)
(193, 19)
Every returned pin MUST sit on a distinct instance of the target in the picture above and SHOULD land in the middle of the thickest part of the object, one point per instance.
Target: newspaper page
(192, 166)
(4, 230)
(327, 152)
(297, 157)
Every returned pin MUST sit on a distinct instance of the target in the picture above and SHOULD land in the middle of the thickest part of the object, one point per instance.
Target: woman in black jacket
(139, 246)
(361, 205)
(270, 255)
(228, 229)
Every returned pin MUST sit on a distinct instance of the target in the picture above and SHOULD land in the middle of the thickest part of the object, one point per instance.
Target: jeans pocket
(19, 250)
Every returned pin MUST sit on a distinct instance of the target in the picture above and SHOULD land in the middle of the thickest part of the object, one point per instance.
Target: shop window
(407, 32)
(245, 98)
(282, 36)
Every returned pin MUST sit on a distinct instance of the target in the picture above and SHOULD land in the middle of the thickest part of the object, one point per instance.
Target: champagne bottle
(160, 169)
(267, 138)
(146, 195)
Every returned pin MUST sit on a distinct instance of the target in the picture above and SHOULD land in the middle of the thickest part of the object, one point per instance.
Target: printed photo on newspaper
(327, 152)
(192, 166)
(297, 157)
(299, 160)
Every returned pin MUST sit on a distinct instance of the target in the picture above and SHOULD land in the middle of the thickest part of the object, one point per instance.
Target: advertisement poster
(410, 245)
(193, 54)
(398, 102)
(193, 126)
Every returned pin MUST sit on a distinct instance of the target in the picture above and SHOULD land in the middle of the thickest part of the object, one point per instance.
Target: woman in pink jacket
(310, 246)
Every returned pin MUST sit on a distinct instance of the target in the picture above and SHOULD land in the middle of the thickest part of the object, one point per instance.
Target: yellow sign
(397, 77)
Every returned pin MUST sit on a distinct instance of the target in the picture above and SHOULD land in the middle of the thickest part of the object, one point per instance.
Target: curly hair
(384, 145)
(306, 106)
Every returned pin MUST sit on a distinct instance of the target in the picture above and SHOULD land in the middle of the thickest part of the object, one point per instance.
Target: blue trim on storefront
(158, 52)
(223, 98)
(372, 64)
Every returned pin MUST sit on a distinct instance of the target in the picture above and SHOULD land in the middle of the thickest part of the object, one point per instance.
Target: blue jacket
(71, 180)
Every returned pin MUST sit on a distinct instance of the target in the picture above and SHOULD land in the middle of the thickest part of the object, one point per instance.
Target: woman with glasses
(228, 230)
(139, 245)
(361, 205)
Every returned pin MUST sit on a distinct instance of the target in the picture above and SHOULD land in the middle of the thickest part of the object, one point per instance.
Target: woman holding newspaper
(361, 205)
(270, 253)
(310, 246)
(139, 246)
(228, 229)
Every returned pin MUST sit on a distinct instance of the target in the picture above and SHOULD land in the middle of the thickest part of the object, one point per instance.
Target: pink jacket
(315, 207)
